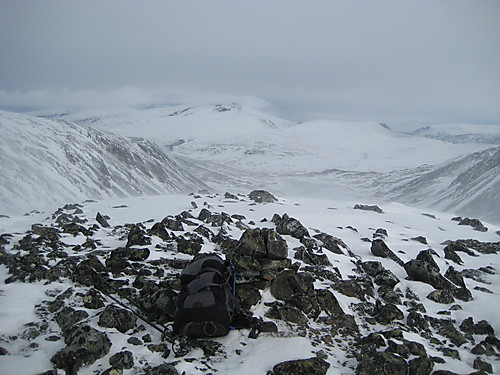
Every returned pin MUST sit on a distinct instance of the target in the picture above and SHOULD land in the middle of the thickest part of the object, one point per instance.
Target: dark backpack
(205, 305)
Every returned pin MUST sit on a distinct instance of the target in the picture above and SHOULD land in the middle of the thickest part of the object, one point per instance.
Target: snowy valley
(391, 242)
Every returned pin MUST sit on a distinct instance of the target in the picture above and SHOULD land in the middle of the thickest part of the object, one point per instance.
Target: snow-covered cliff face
(46, 162)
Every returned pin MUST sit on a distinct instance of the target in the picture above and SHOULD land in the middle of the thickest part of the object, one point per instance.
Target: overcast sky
(388, 61)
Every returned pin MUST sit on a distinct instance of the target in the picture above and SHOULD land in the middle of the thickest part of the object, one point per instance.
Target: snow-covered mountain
(461, 133)
(45, 162)
(229, 145)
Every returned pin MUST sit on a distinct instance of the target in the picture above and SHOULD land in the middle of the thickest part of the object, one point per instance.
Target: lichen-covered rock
(165, 369)
(444, 296)
(122, 360)
(288, 284)
(481, 365)
(116, 317)
(309, 366)
(84, 346)
(159, 230)
(420, 366)
(382, 363)
(69, 317)
(137, 237)
(388, 313)
(480, 328)
(132, 254)
(102, 220)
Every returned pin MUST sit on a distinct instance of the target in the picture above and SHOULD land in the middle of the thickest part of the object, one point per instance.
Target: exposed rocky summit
(361, 307)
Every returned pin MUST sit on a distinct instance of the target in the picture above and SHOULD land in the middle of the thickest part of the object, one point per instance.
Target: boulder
(290, 226)
(262, 196)
(84, 346)
(309, 366)
(378, 363)
(380, 249)
(423, 271)
(116, 317)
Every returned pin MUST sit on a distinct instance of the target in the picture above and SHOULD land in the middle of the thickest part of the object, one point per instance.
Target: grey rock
(122, 360)
(364, 207)
(262, 196)
(331, 243)
(380, 249)
(419, 270)
(444, 296)
(382, 363)
(116, 317)
(85, 345)
(309, 366)
(290, 226)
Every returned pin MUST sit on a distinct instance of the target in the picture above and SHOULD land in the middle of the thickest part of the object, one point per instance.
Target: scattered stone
(289, 226)
(481, 365)
(455, 277)
(365, 207)
(475, 223)
(420, 239)
(480, 328)
(262, 196)
(450, 254)
(85, 345)
(137, 237)
(381, 363)
(69, 317)
(122, 360)
(331, 243)
(424, 271)
(388, 313)
(309, 366)
(165, 369)
(380, 249)
(159, 230)
(441, 296)
(116, 317)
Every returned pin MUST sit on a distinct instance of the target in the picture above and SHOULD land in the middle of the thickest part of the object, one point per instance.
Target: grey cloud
(431, 60)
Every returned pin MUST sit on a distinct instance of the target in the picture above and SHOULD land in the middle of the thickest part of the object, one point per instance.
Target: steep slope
(45, 162)
(468, 186)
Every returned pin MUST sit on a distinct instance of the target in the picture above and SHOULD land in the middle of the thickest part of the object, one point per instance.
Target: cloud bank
(413, 61)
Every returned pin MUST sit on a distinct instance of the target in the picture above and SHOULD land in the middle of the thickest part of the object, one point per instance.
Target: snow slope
(29, 356)
(45, 162)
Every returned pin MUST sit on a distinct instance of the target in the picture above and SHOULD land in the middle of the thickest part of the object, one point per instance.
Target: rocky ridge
(368, 318)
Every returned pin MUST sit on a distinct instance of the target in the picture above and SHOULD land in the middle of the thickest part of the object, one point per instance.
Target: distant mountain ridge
(461, 134)
(229, 145)
(46, 162)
